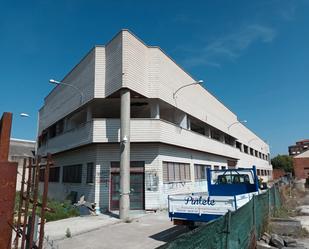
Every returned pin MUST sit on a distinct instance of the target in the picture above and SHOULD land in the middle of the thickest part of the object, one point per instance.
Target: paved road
(149, 231)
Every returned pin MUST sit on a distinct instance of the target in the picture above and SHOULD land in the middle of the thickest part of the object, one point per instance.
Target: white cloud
(228, 47)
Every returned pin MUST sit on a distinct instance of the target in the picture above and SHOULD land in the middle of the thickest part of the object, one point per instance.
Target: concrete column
(222, 140)
(89, 114)
(124, 206)
(181, 118)
(155, 109)
(207, 131)
(188, 123)
(97, 188)
(242, 148)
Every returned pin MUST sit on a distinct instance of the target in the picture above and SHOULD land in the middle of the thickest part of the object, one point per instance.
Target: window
(246, 149)
(90, 173)
(176, 172)
(238, 145)
(223, 167)
(54, 174)
(200, 171)
(216, 167)
(215, 134)
(258, 172)
(72, 173)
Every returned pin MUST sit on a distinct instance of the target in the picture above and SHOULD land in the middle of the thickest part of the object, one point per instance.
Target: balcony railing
(142, 130)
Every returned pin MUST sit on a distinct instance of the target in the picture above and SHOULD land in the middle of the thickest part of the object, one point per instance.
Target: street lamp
(237, 122)
(24, 115)
(194, 83)
(56, 82)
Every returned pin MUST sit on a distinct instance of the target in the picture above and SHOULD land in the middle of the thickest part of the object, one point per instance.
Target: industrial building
(177, 128)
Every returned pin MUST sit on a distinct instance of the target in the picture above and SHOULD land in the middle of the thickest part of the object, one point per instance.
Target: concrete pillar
(154, 109)
(97, 182)
(124, 206)
(242, 148)
(188, 123)
(89, 114)
(181, 118)
(222, 140)
(207, 131)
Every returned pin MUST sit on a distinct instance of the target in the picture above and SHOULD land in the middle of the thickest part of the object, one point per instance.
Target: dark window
(90, 173)
(41, 175)
(223, 167)
(215, 134)
(216, 167)
(176, 172)
(72, 173)
(246, 149)
(238, 145)
(200, 171)
(54, 174)
(258, 172)
(133, 164)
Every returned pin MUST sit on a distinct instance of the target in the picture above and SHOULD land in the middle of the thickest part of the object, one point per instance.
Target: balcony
(142, 130)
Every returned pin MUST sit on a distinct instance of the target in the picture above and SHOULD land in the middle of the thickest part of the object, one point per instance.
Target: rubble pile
(274, 241)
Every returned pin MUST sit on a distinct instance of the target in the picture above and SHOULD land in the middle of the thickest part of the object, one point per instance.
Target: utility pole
(124, 206)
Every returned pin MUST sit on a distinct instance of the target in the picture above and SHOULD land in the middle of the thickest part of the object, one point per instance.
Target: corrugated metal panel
(100, 67)
(79, 156)
(63, 99)
(113, 62)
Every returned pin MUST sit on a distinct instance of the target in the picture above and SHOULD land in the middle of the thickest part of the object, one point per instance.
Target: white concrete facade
(191, 127)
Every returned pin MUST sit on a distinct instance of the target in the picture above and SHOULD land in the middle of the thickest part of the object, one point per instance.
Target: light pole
(237, 122)
(24, 115)
(194, 83)
(56, 82)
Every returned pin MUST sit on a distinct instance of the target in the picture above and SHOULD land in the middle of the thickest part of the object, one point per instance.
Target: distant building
(20, 149)
(173, 139)
(299, 147)
(301, 165)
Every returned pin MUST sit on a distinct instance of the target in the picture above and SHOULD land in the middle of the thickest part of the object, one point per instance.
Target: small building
(19, 150)
(299, 147)
(176, 133)
(301, 165)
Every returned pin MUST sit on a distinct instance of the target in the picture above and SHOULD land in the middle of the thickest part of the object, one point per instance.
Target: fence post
(228, 229)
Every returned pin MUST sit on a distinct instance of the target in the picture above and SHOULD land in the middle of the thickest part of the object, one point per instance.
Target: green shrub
(62, 210)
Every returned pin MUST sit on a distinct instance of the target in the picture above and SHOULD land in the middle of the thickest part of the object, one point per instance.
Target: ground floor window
(72, 173)
(90, 173)
(200, 171)
(54, 174)
(176, 172)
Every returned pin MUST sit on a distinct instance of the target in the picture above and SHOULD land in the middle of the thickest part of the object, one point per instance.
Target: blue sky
(252, 55)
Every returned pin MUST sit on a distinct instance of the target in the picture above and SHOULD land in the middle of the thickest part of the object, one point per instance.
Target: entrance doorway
(137, 183)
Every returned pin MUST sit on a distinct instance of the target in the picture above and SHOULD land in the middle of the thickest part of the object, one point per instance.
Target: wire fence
(234, 230)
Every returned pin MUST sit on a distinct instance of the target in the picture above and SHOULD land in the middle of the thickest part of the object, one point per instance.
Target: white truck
(227, 190)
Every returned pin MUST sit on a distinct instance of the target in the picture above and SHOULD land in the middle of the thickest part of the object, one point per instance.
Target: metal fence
(235, 230)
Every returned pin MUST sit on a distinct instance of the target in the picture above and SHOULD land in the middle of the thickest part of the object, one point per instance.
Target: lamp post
(56, 82)
(24, 115)
(237, 122)
(199, 82)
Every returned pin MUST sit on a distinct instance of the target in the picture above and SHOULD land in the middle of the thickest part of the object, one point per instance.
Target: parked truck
(228, 189)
